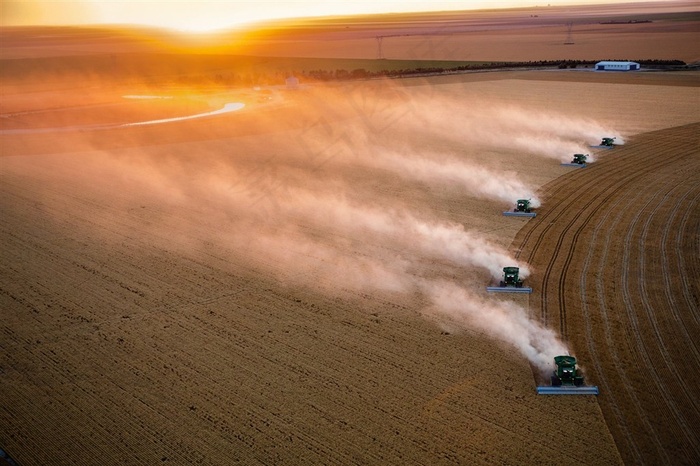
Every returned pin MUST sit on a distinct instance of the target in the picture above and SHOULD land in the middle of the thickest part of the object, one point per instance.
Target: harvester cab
(510, 282)
(522, 205)
(567, 379)
(580, 159)
(511, 277)
(566, 372)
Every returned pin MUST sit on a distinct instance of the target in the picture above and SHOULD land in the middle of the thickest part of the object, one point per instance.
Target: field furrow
(636, 322)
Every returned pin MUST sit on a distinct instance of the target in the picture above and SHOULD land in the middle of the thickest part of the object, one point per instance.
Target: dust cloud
(505, 321)
(417, 164)
(295, 209)
(441, 168)
(534, 133)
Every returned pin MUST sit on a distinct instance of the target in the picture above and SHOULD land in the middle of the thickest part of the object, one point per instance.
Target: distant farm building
(292, 82)
(617, 66)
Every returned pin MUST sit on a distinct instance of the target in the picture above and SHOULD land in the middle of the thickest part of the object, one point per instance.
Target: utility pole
(380, 53)
(569, 35)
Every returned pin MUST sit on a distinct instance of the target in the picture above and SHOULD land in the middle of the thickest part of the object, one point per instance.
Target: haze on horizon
(210, 15)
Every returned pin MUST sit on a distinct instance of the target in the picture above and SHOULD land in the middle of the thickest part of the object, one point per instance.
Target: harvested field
(620, 278)
(136, 328)
(302, 281)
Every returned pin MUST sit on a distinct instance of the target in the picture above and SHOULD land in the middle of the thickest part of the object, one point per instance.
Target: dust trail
(433, 238)
(434, 168)
(328, 269)
(561, 125)
(271, 203)
(295, 258)
(284, 222)
(547, 134)
(290, 198)
(394, 227)
(449, 304)
(311, 260)
(504, 321)
(476, 180)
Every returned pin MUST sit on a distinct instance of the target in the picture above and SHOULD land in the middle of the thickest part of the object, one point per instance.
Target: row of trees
(361, 73)
(262, 77)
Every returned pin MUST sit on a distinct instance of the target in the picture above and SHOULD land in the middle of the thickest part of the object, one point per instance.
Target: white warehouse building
(617, 66)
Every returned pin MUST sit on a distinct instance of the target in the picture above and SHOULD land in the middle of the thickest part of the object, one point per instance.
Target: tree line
(361, 73)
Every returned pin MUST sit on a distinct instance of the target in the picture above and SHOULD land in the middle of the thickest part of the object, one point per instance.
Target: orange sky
(218, 14)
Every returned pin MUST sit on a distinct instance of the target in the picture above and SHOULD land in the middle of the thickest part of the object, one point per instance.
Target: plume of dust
(465, 248)
(398, 229)
(474, 179)
(551, 134)
(253, 209)
(296, 256)
(353, 146)
(554, 148)
(560, 125)
(271, 201)
(298, 259)
(279, 199)
(504, 321)
(324, 266)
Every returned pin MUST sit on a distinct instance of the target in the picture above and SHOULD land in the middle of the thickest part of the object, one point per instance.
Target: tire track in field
(602, 380)
(644, 163)
(583, 222)
(567, 207)
(601, 296)
(634, 205)
(627, 285)
(620, 362)
(674, 390)
(608, 177)
(685, 272)
(667, 271)
(666, 299)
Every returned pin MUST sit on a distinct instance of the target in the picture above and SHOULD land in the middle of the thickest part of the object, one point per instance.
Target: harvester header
(567, 379)
(510, 282)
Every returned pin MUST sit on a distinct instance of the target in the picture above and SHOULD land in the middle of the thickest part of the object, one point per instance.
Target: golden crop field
(301, 280)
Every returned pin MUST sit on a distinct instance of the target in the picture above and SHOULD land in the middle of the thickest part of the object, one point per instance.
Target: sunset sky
(218, 14)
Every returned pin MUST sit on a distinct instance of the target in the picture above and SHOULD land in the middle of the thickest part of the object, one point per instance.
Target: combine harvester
(567, 379)
(606, 143)
(522, 209)
(578, 161)
(511, 282)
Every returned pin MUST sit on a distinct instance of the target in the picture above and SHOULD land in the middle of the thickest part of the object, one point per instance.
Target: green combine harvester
(511, 277)
(522, 209)
(510, 283)
(567, 379)
(605, 143)
(578, 161)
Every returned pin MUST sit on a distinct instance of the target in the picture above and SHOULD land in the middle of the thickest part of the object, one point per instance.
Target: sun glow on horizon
(217, 15)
